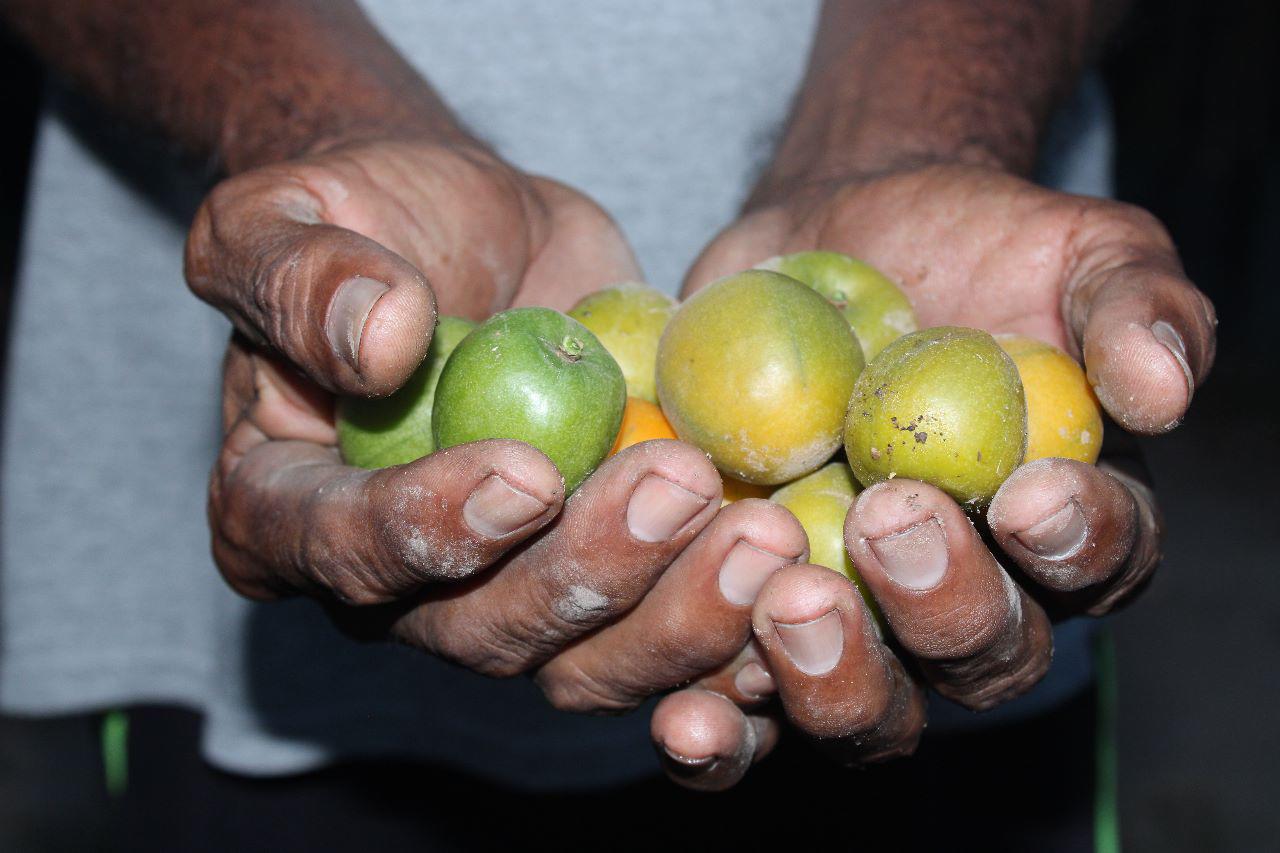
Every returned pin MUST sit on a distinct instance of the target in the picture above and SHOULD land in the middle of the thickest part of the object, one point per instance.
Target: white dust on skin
(333, 191)
(580, 605)
(429, 550)
(1014, 596)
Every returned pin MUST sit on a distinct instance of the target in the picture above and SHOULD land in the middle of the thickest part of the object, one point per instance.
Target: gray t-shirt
(661, 110)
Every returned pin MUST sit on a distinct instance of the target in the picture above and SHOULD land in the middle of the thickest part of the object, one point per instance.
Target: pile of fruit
(803, 380)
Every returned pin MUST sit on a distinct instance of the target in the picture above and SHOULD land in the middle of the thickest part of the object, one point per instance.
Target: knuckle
(239, 571)
(211, 233)
(963, 632)
(569, 688)
(484, 650)
(850, 718)
(998, 675)
(273, 293)
(354, 587)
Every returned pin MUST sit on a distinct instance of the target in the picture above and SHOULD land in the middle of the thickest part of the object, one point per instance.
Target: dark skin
(908, 146)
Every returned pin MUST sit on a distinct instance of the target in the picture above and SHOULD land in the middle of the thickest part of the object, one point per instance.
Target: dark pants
(1027, 787)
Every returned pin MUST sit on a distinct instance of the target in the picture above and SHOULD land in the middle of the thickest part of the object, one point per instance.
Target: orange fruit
(1063, 416)
(641, 421)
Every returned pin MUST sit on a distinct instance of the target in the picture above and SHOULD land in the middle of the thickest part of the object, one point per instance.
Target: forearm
(241, 82)
(893, 85)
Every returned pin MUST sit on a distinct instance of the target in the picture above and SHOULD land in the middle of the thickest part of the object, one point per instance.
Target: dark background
(1197, 110)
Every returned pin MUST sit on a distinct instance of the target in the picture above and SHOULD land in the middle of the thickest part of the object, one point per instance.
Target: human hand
(976, 247)
(472, 553)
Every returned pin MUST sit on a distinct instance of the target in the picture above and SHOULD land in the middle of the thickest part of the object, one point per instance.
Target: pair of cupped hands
(333, 267)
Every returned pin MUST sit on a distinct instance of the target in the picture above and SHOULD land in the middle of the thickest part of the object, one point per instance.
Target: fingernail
(348, 311)
(1168, 335)
(659, 508)
(495, 508)
(814, 647)
(1058, 535)
(690, 763)
(754, 681)
(915, 558)
(745, 570)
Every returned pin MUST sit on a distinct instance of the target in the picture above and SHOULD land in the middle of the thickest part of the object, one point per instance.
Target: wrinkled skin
(971, 246)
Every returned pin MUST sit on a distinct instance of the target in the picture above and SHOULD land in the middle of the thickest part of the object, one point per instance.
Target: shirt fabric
(662, 110)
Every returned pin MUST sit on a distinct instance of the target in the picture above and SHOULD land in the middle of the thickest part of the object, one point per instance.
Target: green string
(1106, 818)
(115, 751)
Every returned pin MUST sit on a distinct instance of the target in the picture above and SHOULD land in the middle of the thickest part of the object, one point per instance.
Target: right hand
(472, 553)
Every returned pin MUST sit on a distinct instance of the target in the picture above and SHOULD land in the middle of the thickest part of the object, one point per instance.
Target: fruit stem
(571, 348)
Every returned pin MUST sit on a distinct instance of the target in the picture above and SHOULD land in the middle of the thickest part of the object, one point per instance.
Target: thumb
(354, 316)
(1146, 333)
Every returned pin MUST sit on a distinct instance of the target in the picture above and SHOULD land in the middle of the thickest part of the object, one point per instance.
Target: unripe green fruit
(756, 371)
(820, 502)
(383, 431)
(628, 319)
(942, 405)
(878, 311)
(538, 376)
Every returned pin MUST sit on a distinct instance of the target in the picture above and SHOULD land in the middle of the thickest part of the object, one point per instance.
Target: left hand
(975, 247)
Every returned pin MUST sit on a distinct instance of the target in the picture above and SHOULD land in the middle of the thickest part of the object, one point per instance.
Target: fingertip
(522, 465)
(1035, 491)
(694, 725)
(1148, 340)
(768, 526)
(801, 616)
(799, 593)
(1067, 524)
(836, 679)
(892, 506)
(1141, 375)
(674, 461)
(382, 329)
(703, 740)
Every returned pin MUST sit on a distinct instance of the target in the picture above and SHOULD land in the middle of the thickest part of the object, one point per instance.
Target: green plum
(538, 376)
(874, 306)
(821, 501)
(629, 319)
(382, 431)
(942, 405)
